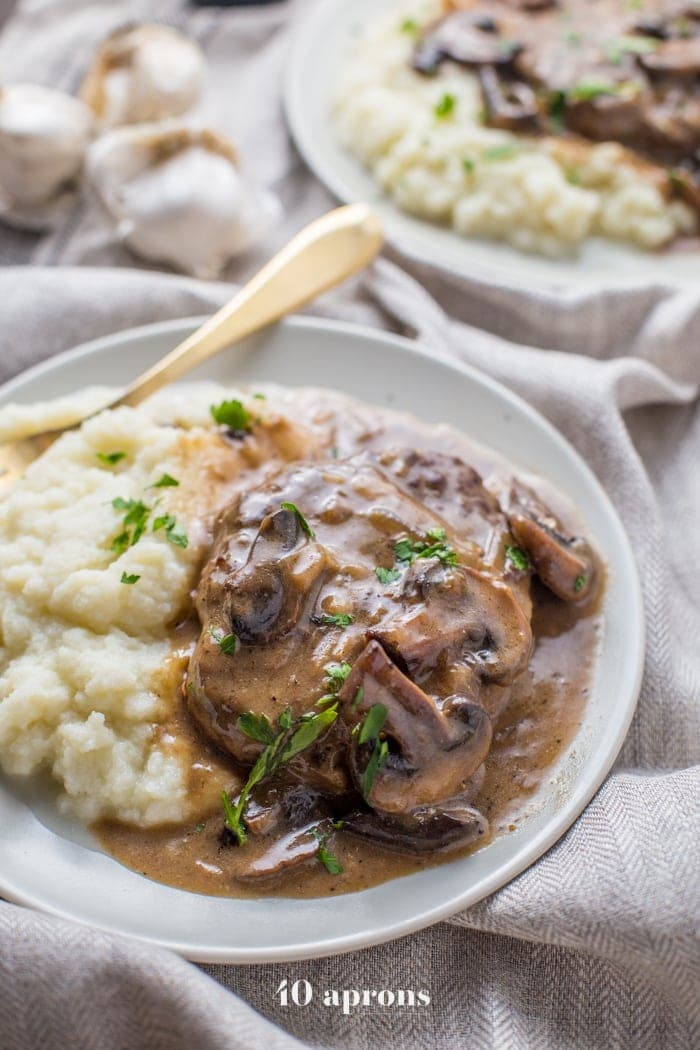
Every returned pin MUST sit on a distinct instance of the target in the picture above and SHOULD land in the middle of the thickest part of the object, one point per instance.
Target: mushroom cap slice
(434, 746)
(564, 563)
(458, 614)
(468, 38)
(434, 829)
(293, 850)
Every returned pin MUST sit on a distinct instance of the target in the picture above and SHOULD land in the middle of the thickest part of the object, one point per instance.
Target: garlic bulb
(43, 138)
(178, 196)
(145, 73)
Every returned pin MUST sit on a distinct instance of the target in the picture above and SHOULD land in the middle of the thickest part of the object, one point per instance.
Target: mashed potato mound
(80, 648)
(481, 181)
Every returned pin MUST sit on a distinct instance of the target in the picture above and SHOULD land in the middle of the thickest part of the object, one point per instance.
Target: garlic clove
(43, 138)
(178, 196)
(143, 73)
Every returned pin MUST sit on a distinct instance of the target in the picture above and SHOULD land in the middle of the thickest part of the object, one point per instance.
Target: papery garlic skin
(142, 74)
(43, 138)
(178, 196)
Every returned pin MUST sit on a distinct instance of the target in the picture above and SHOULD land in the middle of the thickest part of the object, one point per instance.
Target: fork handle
(323, 254)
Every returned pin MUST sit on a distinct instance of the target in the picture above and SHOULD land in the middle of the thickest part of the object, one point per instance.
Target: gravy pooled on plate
(389, 649)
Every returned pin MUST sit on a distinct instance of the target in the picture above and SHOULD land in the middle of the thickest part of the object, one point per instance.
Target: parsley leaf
(300, 518)
(293, 737)
(377, 759)
(257, 727)
(579, 583)
(387, 576)
(169, 523)
(336, 674)
(165, 482)
(374, 720)
(518, 558)
(228, 643)
(357, 698)
(110, 457)
(232, 414)
(369, 734)
(407, 550)
(136, 515)
(507, 151)
(329, 861)
(334, 620)
(130, 578)
(445, 106)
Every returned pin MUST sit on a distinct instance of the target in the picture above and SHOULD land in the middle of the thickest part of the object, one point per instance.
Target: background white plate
(323, 40)
(52, 864)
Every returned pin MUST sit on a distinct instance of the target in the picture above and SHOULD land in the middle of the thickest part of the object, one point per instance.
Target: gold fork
(324, 253)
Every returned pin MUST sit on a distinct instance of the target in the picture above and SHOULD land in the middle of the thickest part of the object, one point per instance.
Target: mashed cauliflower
(81, 645)
(423, 140)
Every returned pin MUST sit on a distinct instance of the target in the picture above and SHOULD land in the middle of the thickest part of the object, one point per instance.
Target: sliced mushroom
(266, 598)
(280, 807)
(434, 746)
(293, 850)
(678, 58)
(457, 612)
(509, 104)
(464, 37)
(434, 829)
(565, 564)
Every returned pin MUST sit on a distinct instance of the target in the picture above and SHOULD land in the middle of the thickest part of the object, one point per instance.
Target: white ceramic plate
(323, 40)
(49, 863)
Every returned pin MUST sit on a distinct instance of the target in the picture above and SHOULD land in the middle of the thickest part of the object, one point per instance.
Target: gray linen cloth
(594, 946)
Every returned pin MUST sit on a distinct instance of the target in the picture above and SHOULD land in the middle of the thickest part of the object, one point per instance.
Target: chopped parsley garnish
(300, 518)
(587, 90)
(445, 106)
(369, 734)
(173, 534)
(387, 576)
(232, 414)
(136, 515)
(557, 108)
(468, 164)
(329, 861)
(257, 727)
(130, 577)
(336, 675)
(572, 37)
(434, 545)
(199, 829)
(630, 45)
(323, 854)
(357, 698)
(579, 583)
(293, 736)
(518, 558)
(110, 457)
(409, 25)
(334, 620)
(374, 720)
(495, 153)
(228, 643)
(165, 482)
(260, 397)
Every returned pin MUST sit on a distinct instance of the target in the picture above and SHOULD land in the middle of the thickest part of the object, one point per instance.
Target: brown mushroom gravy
(578, 70)
(390, 646)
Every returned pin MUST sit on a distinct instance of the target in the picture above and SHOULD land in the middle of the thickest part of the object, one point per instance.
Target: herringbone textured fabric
(596, 945)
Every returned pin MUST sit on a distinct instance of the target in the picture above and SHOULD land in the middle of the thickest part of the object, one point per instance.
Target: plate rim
(536, 846)
(560, 281)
